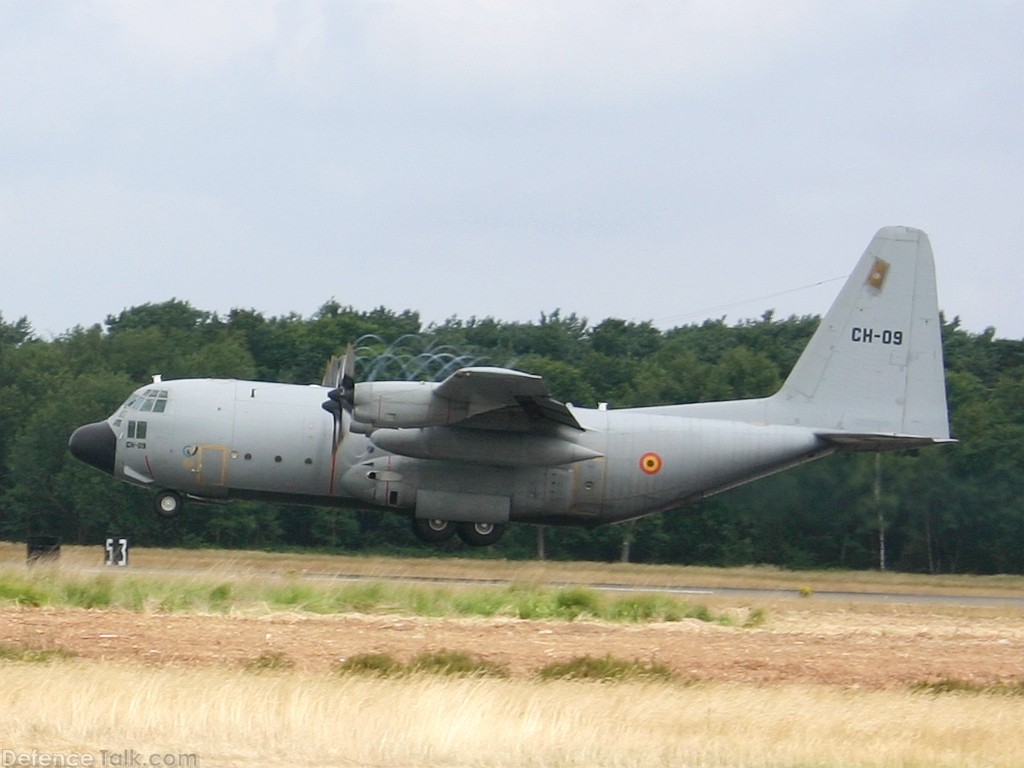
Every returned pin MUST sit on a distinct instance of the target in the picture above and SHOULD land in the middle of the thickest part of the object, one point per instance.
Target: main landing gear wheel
(167, 503)
(480, 534)
(432, 530)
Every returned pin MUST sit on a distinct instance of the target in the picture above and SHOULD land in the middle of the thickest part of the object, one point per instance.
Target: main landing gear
(480, 534)
(435, 531)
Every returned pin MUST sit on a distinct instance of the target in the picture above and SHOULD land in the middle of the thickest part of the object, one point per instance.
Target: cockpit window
(149, 400)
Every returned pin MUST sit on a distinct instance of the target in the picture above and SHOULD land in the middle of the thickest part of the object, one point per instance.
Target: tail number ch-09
(871, 336)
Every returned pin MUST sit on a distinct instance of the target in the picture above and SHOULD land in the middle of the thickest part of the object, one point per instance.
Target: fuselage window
(137, 430)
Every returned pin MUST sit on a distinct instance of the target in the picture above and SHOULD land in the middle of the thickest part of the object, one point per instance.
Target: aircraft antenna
(702, 314)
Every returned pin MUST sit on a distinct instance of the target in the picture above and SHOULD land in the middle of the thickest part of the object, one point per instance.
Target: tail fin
(874, 366)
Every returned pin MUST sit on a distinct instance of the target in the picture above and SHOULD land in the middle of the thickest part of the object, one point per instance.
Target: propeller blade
(341, 399)
(348, 380)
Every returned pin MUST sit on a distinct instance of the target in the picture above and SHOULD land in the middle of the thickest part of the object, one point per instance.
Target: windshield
(154, 400)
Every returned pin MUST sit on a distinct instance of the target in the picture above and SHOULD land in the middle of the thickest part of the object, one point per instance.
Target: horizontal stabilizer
(850, 441)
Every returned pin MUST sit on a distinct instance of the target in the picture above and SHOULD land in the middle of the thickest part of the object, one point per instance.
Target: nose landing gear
(167, 503)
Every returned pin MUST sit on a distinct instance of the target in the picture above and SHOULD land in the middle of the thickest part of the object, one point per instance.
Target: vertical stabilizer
(874, 365)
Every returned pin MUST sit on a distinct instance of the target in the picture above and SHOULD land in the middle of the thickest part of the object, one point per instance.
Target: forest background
(959, 508)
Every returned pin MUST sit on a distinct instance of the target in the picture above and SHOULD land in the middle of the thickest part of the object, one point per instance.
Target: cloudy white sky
(663, 161)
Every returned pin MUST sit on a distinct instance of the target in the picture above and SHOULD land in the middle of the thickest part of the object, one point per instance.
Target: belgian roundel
(650, 463)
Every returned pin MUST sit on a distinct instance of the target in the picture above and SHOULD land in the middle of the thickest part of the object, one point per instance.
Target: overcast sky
(663, 161)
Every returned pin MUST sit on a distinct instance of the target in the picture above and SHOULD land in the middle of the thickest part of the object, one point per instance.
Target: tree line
(958, 508)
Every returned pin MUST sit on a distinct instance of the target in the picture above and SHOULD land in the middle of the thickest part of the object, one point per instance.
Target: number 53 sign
(117, 551)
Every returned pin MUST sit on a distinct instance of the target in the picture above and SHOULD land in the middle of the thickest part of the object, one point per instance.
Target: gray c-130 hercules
(489, 446)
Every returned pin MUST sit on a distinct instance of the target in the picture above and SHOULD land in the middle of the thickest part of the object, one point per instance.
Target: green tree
(50, 493)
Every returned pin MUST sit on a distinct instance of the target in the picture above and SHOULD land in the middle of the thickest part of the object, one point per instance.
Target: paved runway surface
(774, 594)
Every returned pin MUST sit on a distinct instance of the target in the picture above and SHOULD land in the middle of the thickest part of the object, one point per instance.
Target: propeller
(340, 376)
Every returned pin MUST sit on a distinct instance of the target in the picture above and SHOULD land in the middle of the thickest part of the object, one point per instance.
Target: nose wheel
(167, 503)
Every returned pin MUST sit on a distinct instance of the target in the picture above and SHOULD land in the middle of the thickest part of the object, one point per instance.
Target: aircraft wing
(479, 397)
(483, 383)
(497, 395)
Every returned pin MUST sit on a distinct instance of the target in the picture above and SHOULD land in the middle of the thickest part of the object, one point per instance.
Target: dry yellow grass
(232, 718)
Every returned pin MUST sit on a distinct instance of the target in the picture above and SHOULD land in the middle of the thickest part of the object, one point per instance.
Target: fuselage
(488, 445)
(219, 439)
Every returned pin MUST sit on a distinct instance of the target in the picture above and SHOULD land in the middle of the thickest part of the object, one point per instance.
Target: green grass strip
(143, 592)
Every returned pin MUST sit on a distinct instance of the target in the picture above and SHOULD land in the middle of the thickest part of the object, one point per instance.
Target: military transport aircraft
(489, 446)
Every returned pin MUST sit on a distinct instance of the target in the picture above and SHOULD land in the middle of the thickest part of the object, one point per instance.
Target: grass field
(233, 562)
(215, 591)
(272, 710)
(232, 718)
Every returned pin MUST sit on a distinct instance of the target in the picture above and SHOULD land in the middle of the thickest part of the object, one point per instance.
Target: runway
(702, 591)
(728, 584)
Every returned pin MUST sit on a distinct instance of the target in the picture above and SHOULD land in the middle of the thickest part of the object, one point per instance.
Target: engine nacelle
(403, 404)
(501, 449)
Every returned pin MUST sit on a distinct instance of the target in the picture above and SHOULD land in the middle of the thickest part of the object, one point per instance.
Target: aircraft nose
(94, 444)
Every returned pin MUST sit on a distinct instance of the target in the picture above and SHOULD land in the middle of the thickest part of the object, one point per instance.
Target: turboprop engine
(398, 404)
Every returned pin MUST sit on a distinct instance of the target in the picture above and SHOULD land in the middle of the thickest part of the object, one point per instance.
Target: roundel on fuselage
(650, 463)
